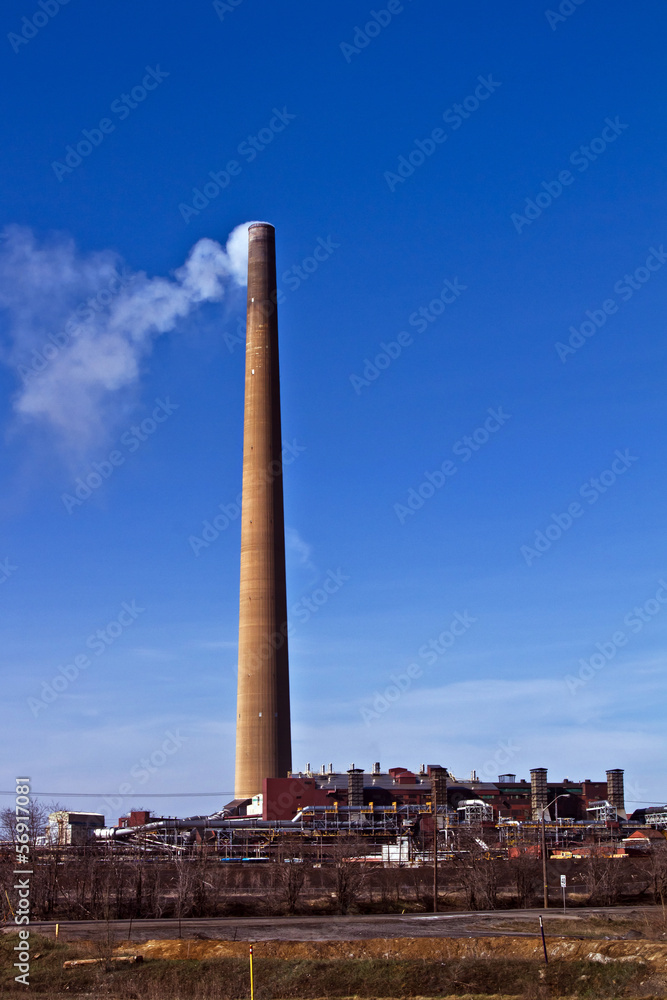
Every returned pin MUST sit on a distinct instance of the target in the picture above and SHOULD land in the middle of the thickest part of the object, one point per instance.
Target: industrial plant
(398, 816)
(380, 806)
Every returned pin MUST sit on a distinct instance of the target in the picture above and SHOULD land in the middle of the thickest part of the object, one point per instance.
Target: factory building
(72, 829)
(401, 812)
(504, 799)
(266, 789)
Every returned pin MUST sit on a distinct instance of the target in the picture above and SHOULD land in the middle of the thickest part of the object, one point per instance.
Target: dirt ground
(622, 963)
(427, 949)
(643, 922)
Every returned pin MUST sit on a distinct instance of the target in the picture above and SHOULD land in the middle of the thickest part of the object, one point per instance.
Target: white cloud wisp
(78, 327)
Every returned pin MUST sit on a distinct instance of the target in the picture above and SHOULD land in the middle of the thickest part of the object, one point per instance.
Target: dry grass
(306, 978)
(436, 950)
(649, 926)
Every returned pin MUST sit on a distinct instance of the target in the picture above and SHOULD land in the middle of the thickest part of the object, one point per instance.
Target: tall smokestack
(263, 738)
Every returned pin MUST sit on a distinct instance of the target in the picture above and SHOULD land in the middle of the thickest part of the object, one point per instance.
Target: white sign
(563, 881)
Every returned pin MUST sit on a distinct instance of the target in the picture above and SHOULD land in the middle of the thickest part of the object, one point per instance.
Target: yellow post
(57, 929)
(252, 982)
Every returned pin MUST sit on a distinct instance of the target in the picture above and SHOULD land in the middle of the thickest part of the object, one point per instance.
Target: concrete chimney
(615, 790)
(438, 776)
(539, 795)
(355, 787)
(263, 736)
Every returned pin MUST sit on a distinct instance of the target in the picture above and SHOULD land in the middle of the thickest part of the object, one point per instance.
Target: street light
(563, 795)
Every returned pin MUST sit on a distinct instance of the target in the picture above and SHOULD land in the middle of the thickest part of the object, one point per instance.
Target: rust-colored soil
(429, 949)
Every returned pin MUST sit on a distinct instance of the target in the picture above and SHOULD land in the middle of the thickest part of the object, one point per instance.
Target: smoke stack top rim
(268, 225)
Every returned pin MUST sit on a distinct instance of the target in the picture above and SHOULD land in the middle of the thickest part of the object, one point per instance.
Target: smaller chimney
(539, 796)
(438, 777)
(615, 790)
(355, 788)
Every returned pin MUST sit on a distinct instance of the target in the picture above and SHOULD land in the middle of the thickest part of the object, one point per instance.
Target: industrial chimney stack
(263, 738)
(539, 795)
(355, 787)
(615, 790)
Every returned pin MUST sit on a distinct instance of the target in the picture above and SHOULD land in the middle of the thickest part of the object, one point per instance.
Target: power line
(143, 795)
(195, 795)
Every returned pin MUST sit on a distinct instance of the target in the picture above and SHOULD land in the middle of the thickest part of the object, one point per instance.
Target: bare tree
(183, 885)
(46, 885)
(655, 869)
(478, 873)
(154, 900)
(603, 879)
(347, 875)
(289, 877)
(34, 824)
(289, 871)
(526, 872)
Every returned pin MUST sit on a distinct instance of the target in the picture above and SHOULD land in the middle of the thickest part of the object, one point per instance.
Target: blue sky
(470, 216)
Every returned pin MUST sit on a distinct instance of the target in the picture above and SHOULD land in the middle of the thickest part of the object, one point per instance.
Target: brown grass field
(594, 957)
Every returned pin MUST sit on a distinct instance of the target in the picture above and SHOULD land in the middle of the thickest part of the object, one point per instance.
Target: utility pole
(563, 795)
(544, 866)
(438, 795)
(434, 804)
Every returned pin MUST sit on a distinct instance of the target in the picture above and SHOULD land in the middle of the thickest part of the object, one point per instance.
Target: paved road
(336, 928)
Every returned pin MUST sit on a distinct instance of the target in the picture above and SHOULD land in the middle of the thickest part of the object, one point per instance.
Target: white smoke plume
(77, 327)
